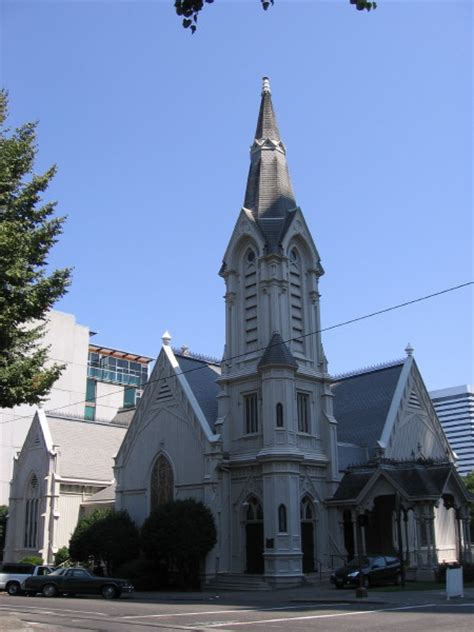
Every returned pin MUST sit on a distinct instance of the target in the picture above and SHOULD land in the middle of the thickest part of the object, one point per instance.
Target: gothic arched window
(306, 509)
(279, 415)
(254, 510)
(282, 523)
(249, 280)
(30, 532)
(162, 482)
(296, 300)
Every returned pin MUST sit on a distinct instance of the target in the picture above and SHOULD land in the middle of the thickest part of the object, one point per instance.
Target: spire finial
(266, 86)
(166, 338)
(409, 350)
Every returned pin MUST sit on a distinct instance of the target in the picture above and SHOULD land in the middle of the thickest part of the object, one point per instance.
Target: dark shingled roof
(361, 404)
(416, 479)
(201, 377)
(277, 354)
(269, 194)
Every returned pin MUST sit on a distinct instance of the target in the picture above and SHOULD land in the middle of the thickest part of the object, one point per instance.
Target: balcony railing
(117, 377)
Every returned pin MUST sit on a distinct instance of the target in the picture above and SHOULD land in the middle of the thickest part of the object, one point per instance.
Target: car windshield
(355, 562)
(59, 571)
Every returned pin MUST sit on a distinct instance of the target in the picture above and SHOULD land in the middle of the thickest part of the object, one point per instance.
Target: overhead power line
(344, 323)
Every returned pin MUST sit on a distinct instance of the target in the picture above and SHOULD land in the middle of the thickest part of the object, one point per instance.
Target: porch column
(419, 525)
(466, 516)
(407, 546)
(432, 537)
(459, 539)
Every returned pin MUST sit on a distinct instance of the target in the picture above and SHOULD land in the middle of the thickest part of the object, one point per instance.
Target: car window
(59, 571)
(79, 572)
(391, 560)
(378, 562)
(355, 562)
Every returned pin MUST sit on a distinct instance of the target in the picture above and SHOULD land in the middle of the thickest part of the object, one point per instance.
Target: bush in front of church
(106, 537)
(179, 534)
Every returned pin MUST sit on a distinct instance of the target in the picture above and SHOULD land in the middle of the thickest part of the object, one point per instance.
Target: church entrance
(254, 537)
(307, 534)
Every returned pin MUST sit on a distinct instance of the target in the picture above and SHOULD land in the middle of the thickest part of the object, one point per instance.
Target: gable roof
(201, 375)
(416, 479)
(86, 449)
(362, 401)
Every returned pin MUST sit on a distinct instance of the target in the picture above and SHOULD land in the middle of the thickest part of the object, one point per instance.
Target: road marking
(321, 616)
(234, 611)
(23, 608)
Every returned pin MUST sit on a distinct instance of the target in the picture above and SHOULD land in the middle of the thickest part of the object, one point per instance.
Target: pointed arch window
(30, 531)
(250, 300)
(282, 521)
(296, 300)
(306, 509)
(162, 482)
(280, 422)
(254, 510)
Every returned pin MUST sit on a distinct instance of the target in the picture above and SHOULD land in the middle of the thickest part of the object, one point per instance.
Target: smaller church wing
(86, 450)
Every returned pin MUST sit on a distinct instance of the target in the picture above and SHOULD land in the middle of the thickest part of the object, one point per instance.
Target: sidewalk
(317, 593)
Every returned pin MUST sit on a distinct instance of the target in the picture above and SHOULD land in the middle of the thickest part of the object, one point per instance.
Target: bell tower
(275, 406)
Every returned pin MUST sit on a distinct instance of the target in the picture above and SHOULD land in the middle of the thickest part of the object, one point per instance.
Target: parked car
(376, 569)
(76, 581)
(13, 574)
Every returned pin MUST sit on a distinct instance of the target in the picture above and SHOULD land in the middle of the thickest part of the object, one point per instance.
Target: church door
(254, 537)
(307, 534)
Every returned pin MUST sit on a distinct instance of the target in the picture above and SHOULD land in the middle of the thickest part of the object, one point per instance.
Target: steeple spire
(269, 194)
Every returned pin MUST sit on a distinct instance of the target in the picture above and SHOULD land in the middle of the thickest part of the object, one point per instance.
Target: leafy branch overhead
(190, 9)
(28, 230)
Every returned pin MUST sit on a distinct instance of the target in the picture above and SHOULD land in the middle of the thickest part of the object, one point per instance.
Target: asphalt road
(132, 615)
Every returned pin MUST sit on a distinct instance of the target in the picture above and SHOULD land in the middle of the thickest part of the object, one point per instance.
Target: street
(222, 613)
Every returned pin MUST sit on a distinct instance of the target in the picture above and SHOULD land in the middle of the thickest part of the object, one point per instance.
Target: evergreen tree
(28, 230)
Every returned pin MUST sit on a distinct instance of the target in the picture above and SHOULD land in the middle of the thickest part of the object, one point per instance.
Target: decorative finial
(266, 86)
(166, 338)
(185, 350)
(409, 350)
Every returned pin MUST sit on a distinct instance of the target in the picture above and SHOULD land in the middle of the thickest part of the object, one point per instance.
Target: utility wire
(241, 355)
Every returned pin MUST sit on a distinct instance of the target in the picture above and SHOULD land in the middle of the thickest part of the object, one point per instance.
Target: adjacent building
(96, 383)
(455, 409)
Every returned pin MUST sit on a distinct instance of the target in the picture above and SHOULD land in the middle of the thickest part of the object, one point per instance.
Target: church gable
(413, 430)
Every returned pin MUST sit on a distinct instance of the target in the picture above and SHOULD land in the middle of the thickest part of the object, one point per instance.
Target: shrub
(179, 534)
(32, 559)
(61, 556)
(468, 572)
(105, 536)
(145, 574)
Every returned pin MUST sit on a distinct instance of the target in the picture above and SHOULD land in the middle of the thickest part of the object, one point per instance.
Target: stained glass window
(162, 482)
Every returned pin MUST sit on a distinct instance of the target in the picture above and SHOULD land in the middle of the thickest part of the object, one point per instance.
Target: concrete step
(236, 581)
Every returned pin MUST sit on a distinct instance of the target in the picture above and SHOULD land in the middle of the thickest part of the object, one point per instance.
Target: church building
(300, 469)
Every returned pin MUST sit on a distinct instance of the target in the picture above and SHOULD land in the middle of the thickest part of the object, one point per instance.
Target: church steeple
(269, 194)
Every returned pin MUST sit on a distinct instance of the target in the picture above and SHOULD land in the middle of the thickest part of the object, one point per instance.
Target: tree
(190, 9)
(469, 483)
(181, 533)
(106, 536)
(62, 555)
(28, 230)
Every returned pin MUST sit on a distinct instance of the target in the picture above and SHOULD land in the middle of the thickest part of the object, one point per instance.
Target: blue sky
(150, 128)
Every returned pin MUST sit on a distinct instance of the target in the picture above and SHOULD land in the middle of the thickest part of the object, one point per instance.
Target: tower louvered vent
(296, 301)
(250, 302)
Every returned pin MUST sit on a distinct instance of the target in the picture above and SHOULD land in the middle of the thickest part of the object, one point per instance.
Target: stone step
(236, 581)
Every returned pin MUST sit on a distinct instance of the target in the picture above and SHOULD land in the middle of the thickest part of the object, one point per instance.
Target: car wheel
(49, 590)
(13, 589)
(109, 592)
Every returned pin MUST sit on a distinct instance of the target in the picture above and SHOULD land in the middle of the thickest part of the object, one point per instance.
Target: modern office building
(455, 409)
(96, 383)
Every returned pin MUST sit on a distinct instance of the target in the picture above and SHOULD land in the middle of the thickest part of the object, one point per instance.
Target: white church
(299, 468)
